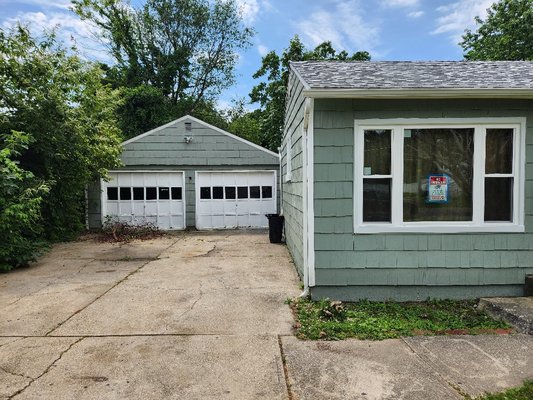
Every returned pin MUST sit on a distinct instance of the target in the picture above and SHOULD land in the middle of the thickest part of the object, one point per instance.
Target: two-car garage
(189, 174)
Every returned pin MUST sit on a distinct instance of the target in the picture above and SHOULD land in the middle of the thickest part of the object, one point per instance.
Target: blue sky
(388, 29)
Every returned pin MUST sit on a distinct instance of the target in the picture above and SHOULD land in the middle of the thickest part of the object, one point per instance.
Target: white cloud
(343, 24)
(262, 50)
(250, 9)
(415, 14)
(69, 29)
(456, 17)
(400, 3)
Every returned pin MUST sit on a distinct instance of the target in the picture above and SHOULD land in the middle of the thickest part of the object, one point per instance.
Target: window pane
(164, 193)
(218, 192)
(267, 192)
(205, 192)
(176, 193)
(377, 152)
(138, 193)
(230, 192)
(242, 192)
(112, 193)
(377, 200)
(429, 155)
(151, 193)
(498, 199)
(499, 146)
(255, 192)
(125, 193)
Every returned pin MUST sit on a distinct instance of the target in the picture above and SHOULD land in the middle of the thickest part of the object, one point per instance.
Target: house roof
(475, 77)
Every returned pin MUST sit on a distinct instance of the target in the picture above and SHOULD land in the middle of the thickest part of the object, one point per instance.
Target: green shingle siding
(406, 266)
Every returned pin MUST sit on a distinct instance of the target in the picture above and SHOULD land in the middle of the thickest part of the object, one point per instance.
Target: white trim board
(193, 119)
(416, 93)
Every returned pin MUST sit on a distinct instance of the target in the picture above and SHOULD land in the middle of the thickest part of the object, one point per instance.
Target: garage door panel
(239, 204)
(146, 197)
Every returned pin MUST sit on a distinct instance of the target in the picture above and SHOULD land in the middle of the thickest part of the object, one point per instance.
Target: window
(242, 192)
(176, 193)
(205, 193)
(138, 193)
(288, 158)
(164, 193)
(266, 192)
(230, 192)
(125, 193)
(218, 192)
(112, 193)
(439, 175)
(255, 192)
(151, 193)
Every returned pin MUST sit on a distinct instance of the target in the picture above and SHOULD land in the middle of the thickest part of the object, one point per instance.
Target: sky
(388, 29)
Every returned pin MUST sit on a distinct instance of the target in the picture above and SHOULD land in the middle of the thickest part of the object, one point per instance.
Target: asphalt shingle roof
(416, 74)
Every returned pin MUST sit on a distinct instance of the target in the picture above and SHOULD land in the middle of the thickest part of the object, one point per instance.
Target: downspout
(280, 185)
(305, 137)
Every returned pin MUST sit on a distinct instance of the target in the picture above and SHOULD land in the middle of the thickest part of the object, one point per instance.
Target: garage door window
(230, 192)
(125, 193)
(266, 192)
(138, 193)
(205, 193)
(255, 192)
(242, 192)
(218, 192)
(176, 193)
(151, 193)
(112, 193)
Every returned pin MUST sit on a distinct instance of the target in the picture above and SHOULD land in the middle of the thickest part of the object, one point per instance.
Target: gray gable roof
(415, 75)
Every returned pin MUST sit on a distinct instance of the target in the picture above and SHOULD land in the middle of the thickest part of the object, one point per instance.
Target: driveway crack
(7, 371)
(107, 291)
(47, 369)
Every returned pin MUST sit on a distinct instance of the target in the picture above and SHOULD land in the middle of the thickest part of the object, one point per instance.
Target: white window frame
(288, 158)
(477, 224)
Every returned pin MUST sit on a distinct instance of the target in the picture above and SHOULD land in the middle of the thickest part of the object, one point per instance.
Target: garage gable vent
(188, 126)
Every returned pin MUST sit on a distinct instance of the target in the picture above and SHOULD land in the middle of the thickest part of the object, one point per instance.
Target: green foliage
(329, 320)
(524, 392)
(244, 123)
(186, 49)
(506, 33)
(60, 101)
(21, 195)
(271, 95)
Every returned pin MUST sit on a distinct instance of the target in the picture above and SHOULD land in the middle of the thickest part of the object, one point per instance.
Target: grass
(329, 320)
(524, 392)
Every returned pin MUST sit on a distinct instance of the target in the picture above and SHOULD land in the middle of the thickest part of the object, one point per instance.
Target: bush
(21, 195)
(114, 230)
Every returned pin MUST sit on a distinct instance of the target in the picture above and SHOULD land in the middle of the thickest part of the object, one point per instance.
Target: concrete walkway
(202, 316)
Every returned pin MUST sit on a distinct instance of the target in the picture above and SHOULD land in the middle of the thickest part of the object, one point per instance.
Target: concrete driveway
(202, 316)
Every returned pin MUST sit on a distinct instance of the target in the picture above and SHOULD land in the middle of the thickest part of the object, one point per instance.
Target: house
(188, 173)
(409, 180)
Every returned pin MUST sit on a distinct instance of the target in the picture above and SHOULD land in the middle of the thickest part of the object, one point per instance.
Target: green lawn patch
(524, 392)
(333, 320)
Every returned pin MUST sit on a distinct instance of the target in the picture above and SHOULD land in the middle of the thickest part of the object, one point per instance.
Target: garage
(188, 174)
(142, 197)
(234, 199)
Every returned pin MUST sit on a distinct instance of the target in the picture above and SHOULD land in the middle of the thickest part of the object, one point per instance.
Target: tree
(272, 93)
(21, 195)
(506, 33)
(60, 102)
(187, 49)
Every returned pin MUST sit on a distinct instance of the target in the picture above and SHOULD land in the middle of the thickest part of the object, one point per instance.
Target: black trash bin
(275, 227)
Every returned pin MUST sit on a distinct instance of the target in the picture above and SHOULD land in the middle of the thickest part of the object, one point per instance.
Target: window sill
(445, 228)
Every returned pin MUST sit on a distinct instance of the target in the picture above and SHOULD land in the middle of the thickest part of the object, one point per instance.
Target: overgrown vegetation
(333, 320)
(524, 392)
(58, 132)
(116, 231)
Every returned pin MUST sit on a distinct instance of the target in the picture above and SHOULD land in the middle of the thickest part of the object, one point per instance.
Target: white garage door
(146, 197)
(234, 199)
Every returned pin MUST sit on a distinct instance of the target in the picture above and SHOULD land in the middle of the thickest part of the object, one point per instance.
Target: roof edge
(433, 93)
(199, 121)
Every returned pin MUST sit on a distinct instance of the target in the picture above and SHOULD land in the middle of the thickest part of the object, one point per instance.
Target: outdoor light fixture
(188, 139)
